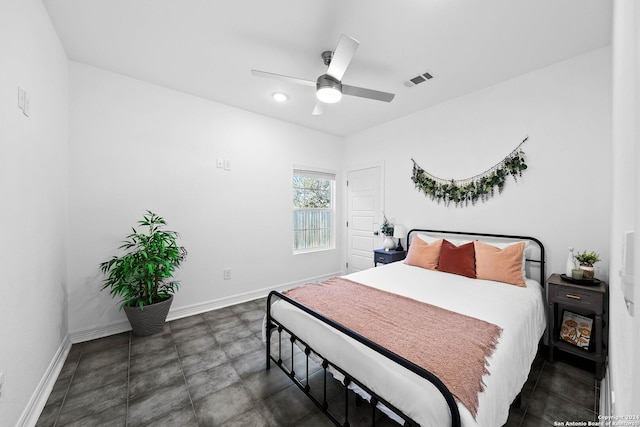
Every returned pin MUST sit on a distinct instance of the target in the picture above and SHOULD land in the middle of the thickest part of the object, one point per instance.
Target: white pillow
(426, 238)
(430, 239)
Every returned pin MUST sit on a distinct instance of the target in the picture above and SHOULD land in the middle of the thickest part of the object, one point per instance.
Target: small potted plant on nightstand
(586, 261)
(141, 276)
(387, 230)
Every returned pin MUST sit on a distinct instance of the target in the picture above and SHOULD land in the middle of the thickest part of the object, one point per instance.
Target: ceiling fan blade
(342, 56)
(289, 79)
(367, 93)
(318, 110)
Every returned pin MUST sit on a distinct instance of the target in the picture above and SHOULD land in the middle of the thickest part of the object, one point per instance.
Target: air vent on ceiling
(418, 79)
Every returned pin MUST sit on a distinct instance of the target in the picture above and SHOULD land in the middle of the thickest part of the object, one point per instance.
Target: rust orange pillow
(457, 259)
(500, 265)
(423, 254)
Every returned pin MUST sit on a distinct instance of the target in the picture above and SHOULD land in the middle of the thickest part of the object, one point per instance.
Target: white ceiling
(208, 47)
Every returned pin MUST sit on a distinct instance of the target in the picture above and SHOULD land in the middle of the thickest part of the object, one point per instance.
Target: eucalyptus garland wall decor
(479, 187)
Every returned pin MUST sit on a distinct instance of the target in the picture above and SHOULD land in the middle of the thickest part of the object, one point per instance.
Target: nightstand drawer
(380, 257)
(385, 257)
(575, 297)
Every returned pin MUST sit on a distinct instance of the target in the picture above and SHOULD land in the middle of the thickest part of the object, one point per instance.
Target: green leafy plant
(480, 187)
(141, 275)
(386, 228)
(587, 258)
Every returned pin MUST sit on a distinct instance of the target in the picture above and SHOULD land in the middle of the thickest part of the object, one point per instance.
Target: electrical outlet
(1, 382)
(220, 163)
(227, 273)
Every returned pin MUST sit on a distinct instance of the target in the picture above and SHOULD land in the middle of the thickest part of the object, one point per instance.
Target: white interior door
(363, 216)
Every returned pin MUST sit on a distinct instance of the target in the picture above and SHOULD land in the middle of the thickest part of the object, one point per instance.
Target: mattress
(519, 311)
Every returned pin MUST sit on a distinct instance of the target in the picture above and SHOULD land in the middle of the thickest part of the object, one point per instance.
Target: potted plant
(387, 230)
(586, 261)
(142, 275)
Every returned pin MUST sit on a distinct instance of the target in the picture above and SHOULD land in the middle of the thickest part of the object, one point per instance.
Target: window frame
(312, 172)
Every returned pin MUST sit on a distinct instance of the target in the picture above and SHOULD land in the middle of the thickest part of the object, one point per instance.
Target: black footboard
(320, 398)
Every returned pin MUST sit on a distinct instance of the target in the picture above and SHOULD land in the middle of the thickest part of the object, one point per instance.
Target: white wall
(135, 146)
(624, 370)
(562, 198)
(33, 197)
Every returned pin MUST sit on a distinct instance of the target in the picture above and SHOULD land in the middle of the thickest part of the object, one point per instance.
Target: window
(313, 209)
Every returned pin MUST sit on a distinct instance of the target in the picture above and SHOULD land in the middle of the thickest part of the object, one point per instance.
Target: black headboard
(535, 258)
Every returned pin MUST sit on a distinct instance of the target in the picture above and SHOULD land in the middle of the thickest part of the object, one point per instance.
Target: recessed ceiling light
(279, 96)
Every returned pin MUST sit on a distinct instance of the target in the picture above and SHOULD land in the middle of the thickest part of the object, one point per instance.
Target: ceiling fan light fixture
(328, 90)
(329, 87)
(328, 95)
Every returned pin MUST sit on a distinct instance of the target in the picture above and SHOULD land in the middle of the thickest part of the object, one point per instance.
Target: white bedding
(520, 312)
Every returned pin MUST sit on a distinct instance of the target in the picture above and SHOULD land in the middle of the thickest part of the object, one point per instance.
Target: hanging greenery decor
(479, 187)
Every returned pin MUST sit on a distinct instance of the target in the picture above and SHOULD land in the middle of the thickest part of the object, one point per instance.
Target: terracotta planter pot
(150, 319)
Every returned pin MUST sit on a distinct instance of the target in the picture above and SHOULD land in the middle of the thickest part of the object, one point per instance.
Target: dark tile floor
(209, 370)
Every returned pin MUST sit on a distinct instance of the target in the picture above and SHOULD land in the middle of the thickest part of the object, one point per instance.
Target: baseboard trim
(40, 396)
(606, 394)
(83, 335)
(240, 298)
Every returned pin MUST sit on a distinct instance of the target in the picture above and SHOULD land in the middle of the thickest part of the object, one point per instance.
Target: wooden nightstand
(386, 257)
(586, 300)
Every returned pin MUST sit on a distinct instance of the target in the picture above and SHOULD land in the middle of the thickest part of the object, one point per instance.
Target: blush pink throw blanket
(452, 346)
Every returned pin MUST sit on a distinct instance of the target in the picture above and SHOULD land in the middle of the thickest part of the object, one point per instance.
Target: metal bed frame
(307, 351)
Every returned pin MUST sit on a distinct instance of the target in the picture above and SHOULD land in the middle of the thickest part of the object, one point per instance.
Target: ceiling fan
(329, 87)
